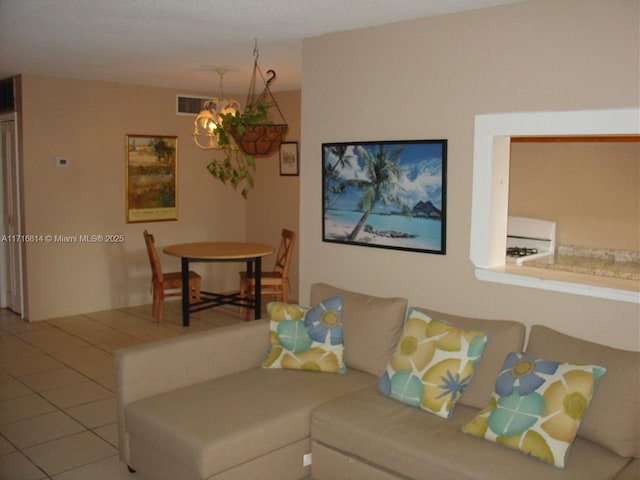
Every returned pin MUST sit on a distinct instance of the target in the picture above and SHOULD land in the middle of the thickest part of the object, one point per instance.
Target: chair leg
(156, 300)
(243, 291)
(249, 294)
(195, 295)
(153, 301)
(160, 306)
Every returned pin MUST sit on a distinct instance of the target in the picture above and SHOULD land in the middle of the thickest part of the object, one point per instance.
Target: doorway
(11, 294)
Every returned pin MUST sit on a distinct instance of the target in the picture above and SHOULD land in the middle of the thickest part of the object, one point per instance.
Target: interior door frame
(11, 248)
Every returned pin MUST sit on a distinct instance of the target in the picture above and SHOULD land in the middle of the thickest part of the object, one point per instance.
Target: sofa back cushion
(371, 326)
(504, 336)
(614, 415)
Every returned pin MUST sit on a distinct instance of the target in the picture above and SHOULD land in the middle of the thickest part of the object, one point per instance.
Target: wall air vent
(189, 104)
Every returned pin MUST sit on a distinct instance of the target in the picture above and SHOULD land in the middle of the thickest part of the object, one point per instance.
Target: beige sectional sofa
(200, 406)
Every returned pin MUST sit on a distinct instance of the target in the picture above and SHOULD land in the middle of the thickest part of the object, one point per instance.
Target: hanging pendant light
(208, 120)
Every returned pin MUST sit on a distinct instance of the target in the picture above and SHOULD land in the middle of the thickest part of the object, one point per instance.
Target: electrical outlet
(306, 459)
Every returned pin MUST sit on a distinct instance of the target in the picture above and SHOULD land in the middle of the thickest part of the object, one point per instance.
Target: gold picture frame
(151, 163)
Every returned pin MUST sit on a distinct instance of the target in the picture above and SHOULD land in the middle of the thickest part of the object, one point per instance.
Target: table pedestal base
(211, 299)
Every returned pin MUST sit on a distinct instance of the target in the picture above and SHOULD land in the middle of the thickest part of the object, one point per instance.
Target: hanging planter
(249, 134)
(256, 135)
(259, 140)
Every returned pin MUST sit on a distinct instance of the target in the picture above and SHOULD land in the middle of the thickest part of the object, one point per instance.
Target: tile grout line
(171, 328)
(22, 451)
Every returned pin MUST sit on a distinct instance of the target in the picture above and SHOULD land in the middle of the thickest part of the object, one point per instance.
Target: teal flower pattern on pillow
(407, 388)
(293, 335)
(515, 413)
(306, 338)
(433, 364)
(537, 407)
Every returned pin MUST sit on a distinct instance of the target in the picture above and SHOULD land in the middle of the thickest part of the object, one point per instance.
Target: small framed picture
(151, 176)
(289, 159)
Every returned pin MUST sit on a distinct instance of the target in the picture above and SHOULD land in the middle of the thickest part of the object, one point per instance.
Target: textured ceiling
(180, 43)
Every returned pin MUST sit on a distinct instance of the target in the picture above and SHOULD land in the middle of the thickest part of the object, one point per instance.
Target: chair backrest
(283, 258)
(156, 271)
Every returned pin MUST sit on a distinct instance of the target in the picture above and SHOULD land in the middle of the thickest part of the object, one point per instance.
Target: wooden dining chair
(167, 284)
(274, 283)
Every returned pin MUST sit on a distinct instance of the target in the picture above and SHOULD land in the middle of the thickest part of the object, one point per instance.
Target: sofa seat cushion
(631, 471)
(213, 426)
(380, 431)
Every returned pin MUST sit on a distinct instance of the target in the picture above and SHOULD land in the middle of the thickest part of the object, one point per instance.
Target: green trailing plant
(254, 114)
(236, 167)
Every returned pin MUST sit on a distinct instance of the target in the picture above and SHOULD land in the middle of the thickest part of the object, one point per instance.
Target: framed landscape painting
(389, 194)
(151, 176)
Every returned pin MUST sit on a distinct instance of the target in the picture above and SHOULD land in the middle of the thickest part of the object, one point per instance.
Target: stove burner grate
(521, 251)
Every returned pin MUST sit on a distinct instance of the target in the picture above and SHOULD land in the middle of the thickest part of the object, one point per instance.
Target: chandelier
(208, 120)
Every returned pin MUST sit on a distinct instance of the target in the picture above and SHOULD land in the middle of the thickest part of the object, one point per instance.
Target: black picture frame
(386, 194)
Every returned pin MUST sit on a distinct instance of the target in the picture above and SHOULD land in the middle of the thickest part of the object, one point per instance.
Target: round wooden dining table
(251, 253)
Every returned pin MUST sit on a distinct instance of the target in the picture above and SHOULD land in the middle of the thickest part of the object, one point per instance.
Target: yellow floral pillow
(306, 338)
(432, 364)
(537, 406)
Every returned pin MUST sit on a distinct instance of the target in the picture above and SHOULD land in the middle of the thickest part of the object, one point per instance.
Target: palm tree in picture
(382, 175)
(333, 184)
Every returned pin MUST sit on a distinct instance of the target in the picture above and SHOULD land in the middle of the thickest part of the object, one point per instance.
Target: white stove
(529, 239)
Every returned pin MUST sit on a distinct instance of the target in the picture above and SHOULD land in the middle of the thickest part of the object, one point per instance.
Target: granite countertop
(623, 264)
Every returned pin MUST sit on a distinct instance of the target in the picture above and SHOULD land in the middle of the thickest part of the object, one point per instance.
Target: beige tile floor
(57, 384)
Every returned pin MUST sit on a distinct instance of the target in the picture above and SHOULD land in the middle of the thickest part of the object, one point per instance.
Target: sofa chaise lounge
(200, 406)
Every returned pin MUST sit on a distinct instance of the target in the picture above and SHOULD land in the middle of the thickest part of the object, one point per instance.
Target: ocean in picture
(385, 229)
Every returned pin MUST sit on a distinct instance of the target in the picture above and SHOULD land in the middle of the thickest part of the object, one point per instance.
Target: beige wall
(87, 121)
(427, 79)
(274, 202)
(591, 190)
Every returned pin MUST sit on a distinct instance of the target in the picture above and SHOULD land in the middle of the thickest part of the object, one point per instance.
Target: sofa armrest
(153, 368)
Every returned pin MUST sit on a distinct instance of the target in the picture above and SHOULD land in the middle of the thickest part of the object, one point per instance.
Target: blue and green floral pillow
(537, 406)
(306, 338)
(433, 364)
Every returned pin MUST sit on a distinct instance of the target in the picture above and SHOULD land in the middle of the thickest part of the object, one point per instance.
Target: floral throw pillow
(306, 338)
(433, 364)
(537, 406)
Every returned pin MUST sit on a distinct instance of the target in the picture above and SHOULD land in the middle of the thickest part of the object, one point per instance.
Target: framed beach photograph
(151, 178)
(388, 194)
(289, 159)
